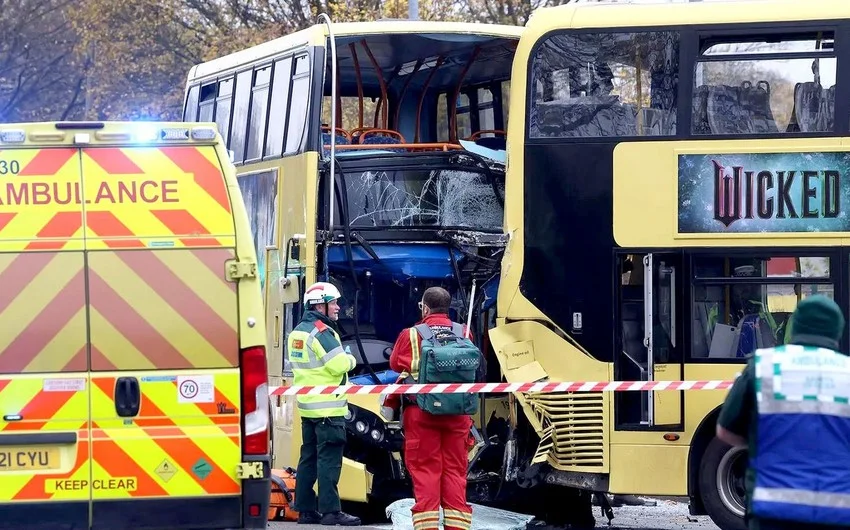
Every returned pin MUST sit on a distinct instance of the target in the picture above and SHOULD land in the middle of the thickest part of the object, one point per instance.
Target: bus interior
(420, 175)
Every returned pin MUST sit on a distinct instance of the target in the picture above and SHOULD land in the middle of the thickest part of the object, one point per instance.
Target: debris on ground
(483, 517)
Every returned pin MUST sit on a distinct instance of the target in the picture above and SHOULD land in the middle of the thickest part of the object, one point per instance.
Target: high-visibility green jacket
(317, 358)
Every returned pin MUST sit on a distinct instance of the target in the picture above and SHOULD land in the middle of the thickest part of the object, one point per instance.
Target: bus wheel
(721, 484)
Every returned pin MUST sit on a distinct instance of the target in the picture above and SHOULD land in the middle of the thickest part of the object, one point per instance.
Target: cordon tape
(488, 388)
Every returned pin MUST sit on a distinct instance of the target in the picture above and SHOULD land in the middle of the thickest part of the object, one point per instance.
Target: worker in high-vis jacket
(318, 358)
(790, 408)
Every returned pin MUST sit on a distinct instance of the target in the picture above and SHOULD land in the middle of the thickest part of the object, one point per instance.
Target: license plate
(29, 458)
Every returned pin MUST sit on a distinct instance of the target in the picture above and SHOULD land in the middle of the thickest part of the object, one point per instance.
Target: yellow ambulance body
(133, 378)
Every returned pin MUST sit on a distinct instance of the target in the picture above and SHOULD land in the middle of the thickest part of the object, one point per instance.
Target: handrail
(353, 48)
(410, 77)
(456, 94)
(332, 173)
(437, 66)
(381, 82)
(476, 134)
(414, 146)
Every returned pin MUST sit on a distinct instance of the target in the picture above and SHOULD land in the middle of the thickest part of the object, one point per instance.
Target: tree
(41, 74)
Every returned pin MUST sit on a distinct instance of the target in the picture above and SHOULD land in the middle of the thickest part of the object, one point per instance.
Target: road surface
(667, 515)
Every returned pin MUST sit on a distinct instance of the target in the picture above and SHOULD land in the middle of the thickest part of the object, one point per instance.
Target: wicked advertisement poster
(763, 193)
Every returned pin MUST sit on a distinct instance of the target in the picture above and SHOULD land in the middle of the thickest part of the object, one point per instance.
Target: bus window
(605, 84)
(190, 113)
(464, 125)
(453, 198)
(299, 103)
(738, 90)
(207, 103)
(278, 106)
(744, 303)
(259, 111)
(241, 103)
(222, 107)
(506, 101)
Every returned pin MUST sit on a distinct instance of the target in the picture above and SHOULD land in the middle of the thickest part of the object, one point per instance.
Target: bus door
(650, 347)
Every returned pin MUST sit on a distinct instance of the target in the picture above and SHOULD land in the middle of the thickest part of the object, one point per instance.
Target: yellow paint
(668, 403)
(649, 469)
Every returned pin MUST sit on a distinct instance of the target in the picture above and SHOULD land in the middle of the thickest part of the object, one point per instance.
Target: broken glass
(445, 198)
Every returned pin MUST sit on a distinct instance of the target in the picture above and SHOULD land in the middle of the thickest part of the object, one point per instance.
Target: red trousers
(436, 456)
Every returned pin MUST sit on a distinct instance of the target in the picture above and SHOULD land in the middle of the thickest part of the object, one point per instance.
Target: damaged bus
(370, 155)
(677, 183)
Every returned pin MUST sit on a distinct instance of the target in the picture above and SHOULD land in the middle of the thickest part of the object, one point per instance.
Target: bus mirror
(289, 290)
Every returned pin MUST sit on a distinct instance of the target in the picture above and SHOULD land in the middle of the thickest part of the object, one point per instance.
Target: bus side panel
(44, 381)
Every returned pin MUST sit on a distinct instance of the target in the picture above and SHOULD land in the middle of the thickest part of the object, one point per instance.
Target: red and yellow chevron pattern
(104, 197)
(46, 408)
(42, 313)
(171, 448)
(149, 309)
(162, 309)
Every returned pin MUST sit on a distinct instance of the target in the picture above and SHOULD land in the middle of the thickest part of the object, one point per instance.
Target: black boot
(340, 519)
(309, 518)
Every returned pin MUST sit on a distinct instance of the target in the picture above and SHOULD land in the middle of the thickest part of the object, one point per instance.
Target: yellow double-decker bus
(419, 111)
(677, 183)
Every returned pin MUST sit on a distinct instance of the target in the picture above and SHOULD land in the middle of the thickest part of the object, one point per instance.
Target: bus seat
(826, 115)
(342, 138)
(588, 116)
(658, 122)
(806, 105)
(700, 114)
(755, 101)
(382, 137)
(726, 115)
(814, 107)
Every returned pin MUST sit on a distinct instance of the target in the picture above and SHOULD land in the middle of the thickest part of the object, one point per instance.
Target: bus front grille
(574, 434)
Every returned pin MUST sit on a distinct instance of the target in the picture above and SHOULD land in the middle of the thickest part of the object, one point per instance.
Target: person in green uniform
(816, 327)
(318, 358)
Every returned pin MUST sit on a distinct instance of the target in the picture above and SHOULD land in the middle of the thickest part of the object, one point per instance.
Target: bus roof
(315, 35)
(661, 13)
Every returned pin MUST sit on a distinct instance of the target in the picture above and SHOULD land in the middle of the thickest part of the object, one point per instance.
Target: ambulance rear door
(44, 398)
(164, 342)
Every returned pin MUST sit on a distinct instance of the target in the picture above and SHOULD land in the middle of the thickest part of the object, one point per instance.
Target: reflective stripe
(805, 497)
(414, 354)
(313, 361)
(426, 520)
(457, 519)
(319, 405)
(826, 408)
(769, 389)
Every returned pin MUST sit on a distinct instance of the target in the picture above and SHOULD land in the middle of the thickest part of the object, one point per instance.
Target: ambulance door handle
(127, 397)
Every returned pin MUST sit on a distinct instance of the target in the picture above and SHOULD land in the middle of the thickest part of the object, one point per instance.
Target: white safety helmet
(321, 293)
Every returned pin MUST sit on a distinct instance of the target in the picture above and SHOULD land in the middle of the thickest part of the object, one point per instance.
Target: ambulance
(133, 376)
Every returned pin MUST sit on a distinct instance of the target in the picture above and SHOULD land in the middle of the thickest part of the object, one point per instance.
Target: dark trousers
(323, 440)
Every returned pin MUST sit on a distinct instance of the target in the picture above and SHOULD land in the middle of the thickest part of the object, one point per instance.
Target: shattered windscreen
(440, 198)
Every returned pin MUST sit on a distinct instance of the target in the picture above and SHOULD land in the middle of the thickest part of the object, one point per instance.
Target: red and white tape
(488, 388)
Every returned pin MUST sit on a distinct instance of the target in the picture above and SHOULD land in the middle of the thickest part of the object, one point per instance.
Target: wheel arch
(704, 433)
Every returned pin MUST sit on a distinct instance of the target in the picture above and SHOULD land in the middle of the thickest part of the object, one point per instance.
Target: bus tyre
(721, 484)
